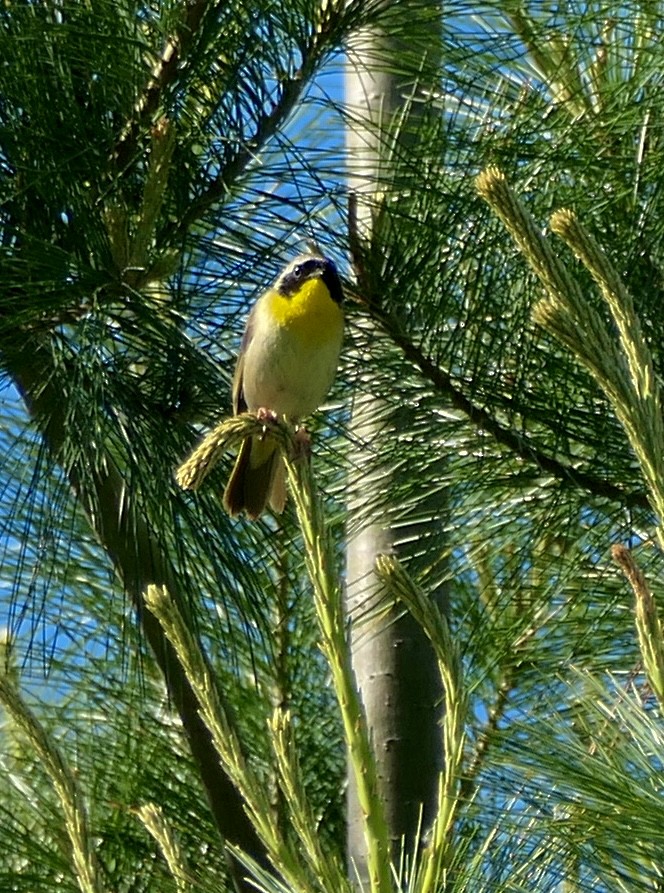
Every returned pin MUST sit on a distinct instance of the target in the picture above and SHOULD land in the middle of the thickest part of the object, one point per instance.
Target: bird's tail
(257, 479)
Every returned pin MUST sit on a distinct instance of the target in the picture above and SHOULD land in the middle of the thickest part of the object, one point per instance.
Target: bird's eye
(297, 271)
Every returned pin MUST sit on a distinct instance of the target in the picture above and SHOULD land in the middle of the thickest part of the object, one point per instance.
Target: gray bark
(393, 662)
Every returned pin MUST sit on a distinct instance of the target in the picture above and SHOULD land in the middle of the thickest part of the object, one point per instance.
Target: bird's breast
(292, 357)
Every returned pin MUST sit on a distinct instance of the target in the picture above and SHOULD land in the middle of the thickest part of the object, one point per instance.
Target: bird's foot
(268, 418)
(266, 415)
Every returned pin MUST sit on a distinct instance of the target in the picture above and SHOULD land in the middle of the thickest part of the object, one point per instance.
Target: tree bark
(393, 661)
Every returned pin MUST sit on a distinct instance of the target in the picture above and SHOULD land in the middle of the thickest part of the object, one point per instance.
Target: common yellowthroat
(286, 365)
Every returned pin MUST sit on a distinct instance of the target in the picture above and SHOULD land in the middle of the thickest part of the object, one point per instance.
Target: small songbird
(286, 365)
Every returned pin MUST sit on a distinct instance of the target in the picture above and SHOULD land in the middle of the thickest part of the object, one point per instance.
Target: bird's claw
(301, 439)
(266, 415)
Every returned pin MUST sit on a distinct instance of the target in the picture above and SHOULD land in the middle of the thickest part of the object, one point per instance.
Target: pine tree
(177, 682)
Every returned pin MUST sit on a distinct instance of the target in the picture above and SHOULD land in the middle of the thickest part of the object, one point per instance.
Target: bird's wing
(239, 403)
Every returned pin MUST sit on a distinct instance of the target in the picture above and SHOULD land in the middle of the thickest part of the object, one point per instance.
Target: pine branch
(621, 366)
(496, 712)
(320, 561)
(516, 443)
(631, 382)
(441, 380)
(137, 555)
(254, 792)
(648, 624)
(205, 455)
(552, 52)
(164, 73)
(191, 475)
(326, 31)
(66, 786)
(153, 819)
(245, 153)
(323, 865)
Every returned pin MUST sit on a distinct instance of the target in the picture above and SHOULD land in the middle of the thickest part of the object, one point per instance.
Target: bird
(286, 365)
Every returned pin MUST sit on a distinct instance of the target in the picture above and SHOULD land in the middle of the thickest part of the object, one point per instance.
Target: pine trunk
(393, 661)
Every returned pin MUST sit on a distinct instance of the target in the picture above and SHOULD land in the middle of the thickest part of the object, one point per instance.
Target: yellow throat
(310, 313)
